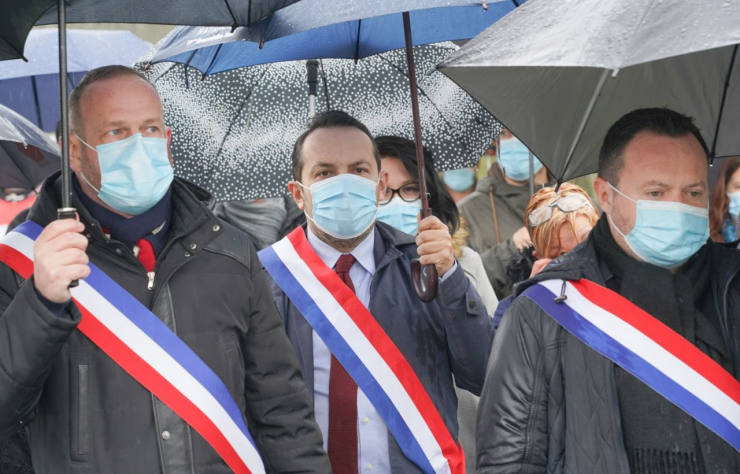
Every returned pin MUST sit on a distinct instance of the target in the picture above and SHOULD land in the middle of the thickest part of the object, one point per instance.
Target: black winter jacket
(550, 402)
(86, 415)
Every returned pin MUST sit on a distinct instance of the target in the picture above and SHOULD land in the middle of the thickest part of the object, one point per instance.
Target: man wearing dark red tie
(377, 359)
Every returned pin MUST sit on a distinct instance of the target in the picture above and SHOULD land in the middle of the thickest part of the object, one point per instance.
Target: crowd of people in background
(317, 395)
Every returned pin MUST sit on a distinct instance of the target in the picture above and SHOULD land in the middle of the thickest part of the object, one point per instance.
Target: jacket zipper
(150, 283)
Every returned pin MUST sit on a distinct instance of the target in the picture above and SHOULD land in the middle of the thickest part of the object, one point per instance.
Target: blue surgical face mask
(135, 173)
(513, 156)
(343, 206)
(459, 180)
(401, 214)
(734, 204)
(666, 233)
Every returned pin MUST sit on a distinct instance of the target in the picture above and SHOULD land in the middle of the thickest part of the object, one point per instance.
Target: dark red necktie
(342, 400)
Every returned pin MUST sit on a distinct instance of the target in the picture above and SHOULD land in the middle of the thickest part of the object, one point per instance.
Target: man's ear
(382, 183)
(603, 194)
(168, 135)
(75, 152)
(296, 191)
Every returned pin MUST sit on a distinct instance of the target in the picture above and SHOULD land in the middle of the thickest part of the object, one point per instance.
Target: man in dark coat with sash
(378, 360)
(182, 356)
(623, 355)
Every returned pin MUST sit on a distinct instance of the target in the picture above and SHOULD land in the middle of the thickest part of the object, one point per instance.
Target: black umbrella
(18, 16)
(16, 22)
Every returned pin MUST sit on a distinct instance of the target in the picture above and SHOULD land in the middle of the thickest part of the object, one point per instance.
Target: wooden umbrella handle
(424, 278)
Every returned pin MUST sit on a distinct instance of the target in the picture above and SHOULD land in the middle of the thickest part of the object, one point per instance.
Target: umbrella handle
(424, 278)
(68, 213)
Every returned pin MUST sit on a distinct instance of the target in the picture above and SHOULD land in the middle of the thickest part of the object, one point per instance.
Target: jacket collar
(189, 210)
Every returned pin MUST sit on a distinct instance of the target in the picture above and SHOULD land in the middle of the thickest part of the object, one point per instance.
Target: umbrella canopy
(559, 74)
(27, 154)
(17, 19)
(168, 12)
(255, 115)
(31, 87)
(213, 50)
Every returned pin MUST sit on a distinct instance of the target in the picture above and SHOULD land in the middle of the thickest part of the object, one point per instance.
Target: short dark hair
(93, 76)
(661, 121)
(442, 204)
(328, 119)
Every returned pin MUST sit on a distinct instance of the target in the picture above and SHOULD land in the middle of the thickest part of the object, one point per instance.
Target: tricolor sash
(151, 353)
(648, 349)
(368, 354)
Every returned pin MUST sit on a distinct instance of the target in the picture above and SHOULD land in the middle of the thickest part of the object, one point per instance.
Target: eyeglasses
(569, 203)
(408, 192)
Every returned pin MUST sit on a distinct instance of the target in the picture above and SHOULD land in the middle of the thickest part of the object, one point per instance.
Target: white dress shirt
(372, 434)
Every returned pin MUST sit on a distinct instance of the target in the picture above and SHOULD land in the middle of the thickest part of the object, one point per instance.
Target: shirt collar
(363, 253)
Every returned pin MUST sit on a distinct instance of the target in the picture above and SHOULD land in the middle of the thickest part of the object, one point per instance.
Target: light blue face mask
(135, 173)
(459, 180)
(734, 204)
(666, 233)
(400, 214)
(513, 156)
(343, 206)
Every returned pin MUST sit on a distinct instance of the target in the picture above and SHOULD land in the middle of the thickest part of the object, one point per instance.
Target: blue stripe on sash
(346, 356)
(604, 344)
(163, 336)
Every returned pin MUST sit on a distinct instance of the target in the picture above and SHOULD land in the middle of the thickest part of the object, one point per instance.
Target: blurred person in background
(401, 209)
(724, 207)
(459, 183)
(495, 211)
(557, 222)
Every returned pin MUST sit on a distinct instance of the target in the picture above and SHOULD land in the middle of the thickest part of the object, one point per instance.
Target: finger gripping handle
(68, 213)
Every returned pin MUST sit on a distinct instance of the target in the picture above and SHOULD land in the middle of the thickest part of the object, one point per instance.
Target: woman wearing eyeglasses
(400, 207)
(557, 223)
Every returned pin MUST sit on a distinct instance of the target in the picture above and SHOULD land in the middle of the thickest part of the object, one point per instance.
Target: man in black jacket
(156, 238)
(553, 404)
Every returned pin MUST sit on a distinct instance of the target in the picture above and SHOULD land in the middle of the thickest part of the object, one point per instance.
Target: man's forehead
(338, 144)
(112, 88)
(649, 155)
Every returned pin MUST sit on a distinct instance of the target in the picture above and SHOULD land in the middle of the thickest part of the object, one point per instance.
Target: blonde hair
(460, 237)
(546, 236)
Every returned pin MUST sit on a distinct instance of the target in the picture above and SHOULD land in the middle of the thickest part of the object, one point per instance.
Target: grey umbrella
(558, 74)
(27, 154)
(233, 132)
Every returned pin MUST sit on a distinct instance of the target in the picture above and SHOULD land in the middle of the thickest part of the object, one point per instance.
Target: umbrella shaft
(66, 180)
(415, 113)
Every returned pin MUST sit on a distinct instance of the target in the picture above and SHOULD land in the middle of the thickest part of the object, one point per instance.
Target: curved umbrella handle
(425, 280)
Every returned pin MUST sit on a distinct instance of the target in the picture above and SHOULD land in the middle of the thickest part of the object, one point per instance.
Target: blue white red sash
(648, 349)
(151, 353)
(367, 353)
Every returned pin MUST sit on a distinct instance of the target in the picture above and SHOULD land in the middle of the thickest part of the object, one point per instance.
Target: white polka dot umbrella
(233, 132)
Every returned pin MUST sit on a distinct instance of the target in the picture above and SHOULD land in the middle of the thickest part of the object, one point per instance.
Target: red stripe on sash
(17, 261)
(385, 347)
(661, 334)
(135, 366)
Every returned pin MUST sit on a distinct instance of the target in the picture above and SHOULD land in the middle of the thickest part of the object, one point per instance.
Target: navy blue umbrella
(213, 50)
(312, 29)
(31, 87)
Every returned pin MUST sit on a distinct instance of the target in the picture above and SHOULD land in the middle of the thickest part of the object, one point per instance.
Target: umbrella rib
(582, 125)
(34, 88)
(722, 104)
(326, 85)
(357, 40)
(420, 90)
(236, 116)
